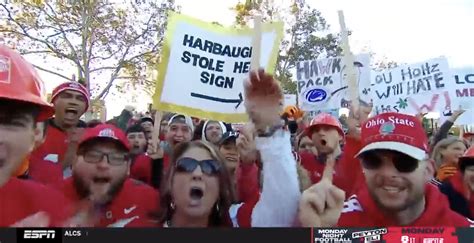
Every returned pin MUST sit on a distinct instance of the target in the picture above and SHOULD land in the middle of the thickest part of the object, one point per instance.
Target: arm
(443, 131)
(280, 195)
(247, 182)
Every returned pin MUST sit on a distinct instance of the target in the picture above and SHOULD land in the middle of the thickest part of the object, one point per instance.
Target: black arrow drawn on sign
(217, 99)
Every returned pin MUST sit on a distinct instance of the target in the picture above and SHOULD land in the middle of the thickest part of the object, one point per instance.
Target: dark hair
(198, 130)
(20, 107)
(465, 162)
(146, 119)
(135, 128)
(93, 123)
(219, 216)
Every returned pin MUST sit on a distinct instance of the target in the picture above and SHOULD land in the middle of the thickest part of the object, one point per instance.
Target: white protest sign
(290, 99)
(204, 66)
(323, 84)
(416, 88)
(463, 93)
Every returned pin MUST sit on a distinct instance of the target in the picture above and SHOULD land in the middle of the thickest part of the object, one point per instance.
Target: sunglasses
(402, 162)
(188, 165)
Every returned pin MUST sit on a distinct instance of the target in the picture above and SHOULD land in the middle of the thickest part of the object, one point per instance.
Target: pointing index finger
(329, 169)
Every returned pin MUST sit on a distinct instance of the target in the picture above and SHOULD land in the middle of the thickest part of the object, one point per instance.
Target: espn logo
(39, 235)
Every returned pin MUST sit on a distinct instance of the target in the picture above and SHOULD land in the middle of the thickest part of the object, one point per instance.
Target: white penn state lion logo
(109, 133)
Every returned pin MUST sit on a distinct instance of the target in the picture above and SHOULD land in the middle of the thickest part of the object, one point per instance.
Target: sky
(405, 31)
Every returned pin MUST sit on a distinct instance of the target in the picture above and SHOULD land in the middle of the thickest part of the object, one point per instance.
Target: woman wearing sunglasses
(198, 191)
(397, 172)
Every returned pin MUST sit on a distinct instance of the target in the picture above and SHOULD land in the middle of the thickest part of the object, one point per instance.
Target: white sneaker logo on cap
(109, 133)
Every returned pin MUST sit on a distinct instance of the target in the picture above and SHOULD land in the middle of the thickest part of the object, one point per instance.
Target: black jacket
(457, 201)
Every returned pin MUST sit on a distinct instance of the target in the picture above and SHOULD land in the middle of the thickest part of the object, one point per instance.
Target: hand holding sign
(263, 100)
(321, 204)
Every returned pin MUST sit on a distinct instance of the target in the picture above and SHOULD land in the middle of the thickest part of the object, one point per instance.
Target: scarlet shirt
(361, 211)
(348, 174)
(22, 198)
(131, 207)
(247, 182)
(45, 161)
(141, 168)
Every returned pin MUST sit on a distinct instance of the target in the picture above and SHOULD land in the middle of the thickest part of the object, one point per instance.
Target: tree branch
(52, 72)
(122, 60)
(26, 34)
(35, 52)
(63, 33)
(102, 68)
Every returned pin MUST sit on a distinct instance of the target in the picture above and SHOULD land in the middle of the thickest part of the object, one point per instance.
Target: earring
(217, 206)
(172, 205)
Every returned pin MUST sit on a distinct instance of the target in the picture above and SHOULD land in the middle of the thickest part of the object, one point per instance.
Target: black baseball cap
(229, 136)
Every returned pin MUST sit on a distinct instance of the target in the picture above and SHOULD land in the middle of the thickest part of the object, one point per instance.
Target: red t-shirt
(141, 168)
(45, 161)
(22, 198)
(131, 207)
(361, 211)
(348, 173)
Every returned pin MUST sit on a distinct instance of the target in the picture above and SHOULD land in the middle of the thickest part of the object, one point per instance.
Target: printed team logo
(5, 69)
(387, 128)
(109, 133)
(74, 85)
(315, 96)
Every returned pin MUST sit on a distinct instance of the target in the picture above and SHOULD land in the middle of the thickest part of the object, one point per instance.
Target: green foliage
(99, 38)
(305, 36)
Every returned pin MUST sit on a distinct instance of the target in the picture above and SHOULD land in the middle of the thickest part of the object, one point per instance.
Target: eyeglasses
(402, 162)
(188, 165)
(95, 157)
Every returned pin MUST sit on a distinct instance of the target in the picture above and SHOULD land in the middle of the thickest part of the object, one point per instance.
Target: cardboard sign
(463, 94)
(416, 88)
(323, 84)
(204, 66)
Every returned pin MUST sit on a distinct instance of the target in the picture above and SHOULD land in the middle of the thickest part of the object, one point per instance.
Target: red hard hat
(324, 119)
(19, 81)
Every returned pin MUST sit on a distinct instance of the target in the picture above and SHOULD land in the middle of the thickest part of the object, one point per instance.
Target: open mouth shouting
(196, 194)
(71, 113)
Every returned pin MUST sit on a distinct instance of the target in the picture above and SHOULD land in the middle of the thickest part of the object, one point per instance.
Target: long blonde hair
(442, 145)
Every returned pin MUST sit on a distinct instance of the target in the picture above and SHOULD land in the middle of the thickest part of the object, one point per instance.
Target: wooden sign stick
(256, 43)
(348, 60)
(155, 136)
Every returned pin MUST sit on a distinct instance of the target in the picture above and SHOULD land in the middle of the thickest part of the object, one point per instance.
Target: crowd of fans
(274, 171)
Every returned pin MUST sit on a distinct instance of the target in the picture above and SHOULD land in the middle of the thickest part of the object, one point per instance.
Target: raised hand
(321, 204)
(154, 150)
(246, 145)
(263, 99)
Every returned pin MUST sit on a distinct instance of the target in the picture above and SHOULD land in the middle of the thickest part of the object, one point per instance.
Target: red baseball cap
(395, 131)
(107, 131)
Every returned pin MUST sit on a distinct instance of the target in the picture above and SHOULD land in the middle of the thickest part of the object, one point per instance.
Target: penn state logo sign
(315, 96)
